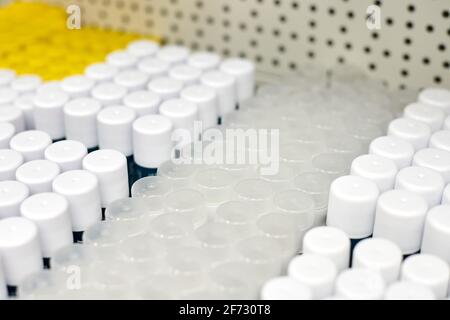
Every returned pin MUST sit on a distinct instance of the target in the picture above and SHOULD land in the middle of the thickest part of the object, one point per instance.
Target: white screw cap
(397, 150)
(101, 72)
(329, 242)
(244, 72)
(13, 115)
(7, 131)
(447, 123)
(187, 74)
(26, 83)
(6, 76)
(20, 251)
(81, 189)
(378, 169)
(424, 182)
(427, 270)
(38, 175)
(3, 290)
(110, 167)
(7, 95)
(206, 101)
(133, 79)
(48, 112)
(50, 213)
(437, 97)
(412, 131)
(80, 120)
(154, 67)
(142, 48)
(405, 290)
(67, 154)
(316, 272)
(109, 93)
(173, 54)
(446, 195)
(379, 255)
(400, 217)
(436, 159)
(121, 59)
(25, 103)
(12, 194)
(182, 113)
(115, 129)
(224, 86)
(165, 87)
(142, 102)
(351, 206)
(31, 144)
(204, 60)
(285, 288)
(429, 115)
(436, 235)
(152, 140)
(77, 86)
(360, 284)
(441, 140)
(10, 160)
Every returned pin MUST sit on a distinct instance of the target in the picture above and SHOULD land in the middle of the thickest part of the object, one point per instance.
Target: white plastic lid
(115, 129)
(48, 112)
(81, 190)
(26, 83)
(244, 72)
(314, 271)
(436, 235)
(182, 113)
(285, 288)
(351, 205)
(6, 76)
(447, 123)
(173, 54)
(446, 195)
(12, 194)
(206, 100)
(101, 72)
(13, 115)
(398, 150)
(376, 168)
(121, 59)
(68, 154)
(8, 95)
(427, 270)
(142, 102)
(7, 131)
(109, 93)
(412, 131)
(10, 160)
(185, 73)
(438, 97)
(165, 87)
(132, 79)
(25, 103)
(110, 167)
(431, 116)
(400, 217)
(50, 213)
(80, 119)
(379, 255)
(225, 87)
(436, 159)
(424, 182)
(360, 284)
(154, 67)
(405, 290)
(77, 86)
(31, 144)
(19, 249)
(38, 175)
(48, 86)
(142, 48)
(204, 60)
(441, 140)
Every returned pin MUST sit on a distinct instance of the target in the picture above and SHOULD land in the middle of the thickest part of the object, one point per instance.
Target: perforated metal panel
(412, 48)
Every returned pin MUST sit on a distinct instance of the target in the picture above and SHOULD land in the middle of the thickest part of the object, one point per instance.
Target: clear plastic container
(179, 175)
(150, 187)
(189, 203)
(255, 191)
(215, 184)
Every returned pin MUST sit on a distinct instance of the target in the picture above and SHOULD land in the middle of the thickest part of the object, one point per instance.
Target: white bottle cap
(378, 169)
(80, 120)
(142, 48)
(424, 182)
(204, 60)
(50, 213)
(115, 129)
(48, 113)
(101, 72)
(412, 131)
(206, 101)
(173, 54)
(77, 86)
(109, 93)
(400, 217)
(437, 97)
(48, 86)
(441, 140)
(225, 87)
(133, 79)
(436, 159)
(12, 193)
(13, 115)
(3, 290)
(351, 206)
(6, 76)
(329, 242)
(429, 115)
(7, 131)
(446, 195)
(244, 72)
(154, 67)
(285, 288)
(427, 270)
(182, 113)
(67, 154)
(165, 87)
(26, 83)
(8, 95)
(360, 284)
(38, 175)
(121, 59)
(19, 249)
(379, 255)
(397, 150)
(25, 103)
(405, 290)
(187, 74)
(110, 167)
(142, 102)
(31, 144)
(447, 123)
(81, 190)
(10, 160)
(152, 140)
(314, 271)
(436, 235)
